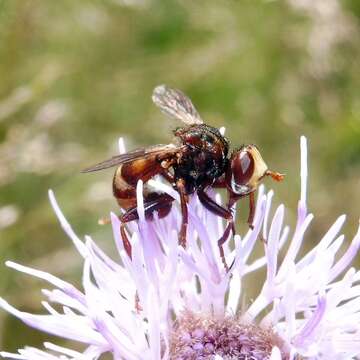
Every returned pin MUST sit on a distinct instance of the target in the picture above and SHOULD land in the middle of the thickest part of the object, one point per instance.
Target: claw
(182, 240)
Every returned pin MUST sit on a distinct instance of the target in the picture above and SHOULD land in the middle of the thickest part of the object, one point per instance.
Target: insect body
(197, 160)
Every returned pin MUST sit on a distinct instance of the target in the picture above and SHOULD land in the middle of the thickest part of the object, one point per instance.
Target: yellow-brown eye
(242, 167)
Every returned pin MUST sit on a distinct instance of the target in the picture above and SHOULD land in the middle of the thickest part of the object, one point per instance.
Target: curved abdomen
(126, 177)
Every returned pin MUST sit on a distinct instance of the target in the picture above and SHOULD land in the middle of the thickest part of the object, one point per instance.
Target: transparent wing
(116, 160)
(144, 153)
(176, 104)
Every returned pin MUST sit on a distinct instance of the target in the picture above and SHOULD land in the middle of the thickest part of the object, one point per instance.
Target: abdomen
(127, 176)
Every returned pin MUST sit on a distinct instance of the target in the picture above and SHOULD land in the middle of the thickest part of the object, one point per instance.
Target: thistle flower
(171, 303)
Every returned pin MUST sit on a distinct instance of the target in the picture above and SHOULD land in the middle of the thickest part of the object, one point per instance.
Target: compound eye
(242, 167)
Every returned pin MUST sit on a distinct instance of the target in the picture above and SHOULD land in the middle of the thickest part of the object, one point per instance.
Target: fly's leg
(180, 185)
(213, 206)
(230, 227)
(125, 239)
(220, 182)
(218, 210)
(162, 204)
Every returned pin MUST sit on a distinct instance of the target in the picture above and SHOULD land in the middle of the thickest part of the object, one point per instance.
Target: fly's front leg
(213, 206)
(180, 185)
(226, 214)
(220, 182)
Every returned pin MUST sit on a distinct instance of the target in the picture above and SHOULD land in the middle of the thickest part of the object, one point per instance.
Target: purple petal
(69, 327)
(347, 258)
(67, 288)
(66, 226)
(272, 247)
(307, 332)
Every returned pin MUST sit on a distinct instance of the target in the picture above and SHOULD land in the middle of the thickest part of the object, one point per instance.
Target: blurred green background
(76, 75)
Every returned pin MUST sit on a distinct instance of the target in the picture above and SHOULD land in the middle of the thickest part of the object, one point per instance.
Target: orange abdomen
(126, 177)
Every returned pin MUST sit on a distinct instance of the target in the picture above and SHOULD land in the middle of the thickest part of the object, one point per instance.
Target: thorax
(205, 157)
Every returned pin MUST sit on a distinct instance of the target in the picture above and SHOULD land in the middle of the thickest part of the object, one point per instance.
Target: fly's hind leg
(153, 202)
(125, 239)
(159, 202)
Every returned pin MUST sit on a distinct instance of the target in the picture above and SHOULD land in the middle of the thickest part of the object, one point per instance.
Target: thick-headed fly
(197, 160)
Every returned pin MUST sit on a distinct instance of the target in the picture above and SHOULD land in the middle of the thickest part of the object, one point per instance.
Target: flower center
(203, 337)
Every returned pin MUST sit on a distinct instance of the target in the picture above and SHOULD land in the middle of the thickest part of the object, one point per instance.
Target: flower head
(170, 303)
